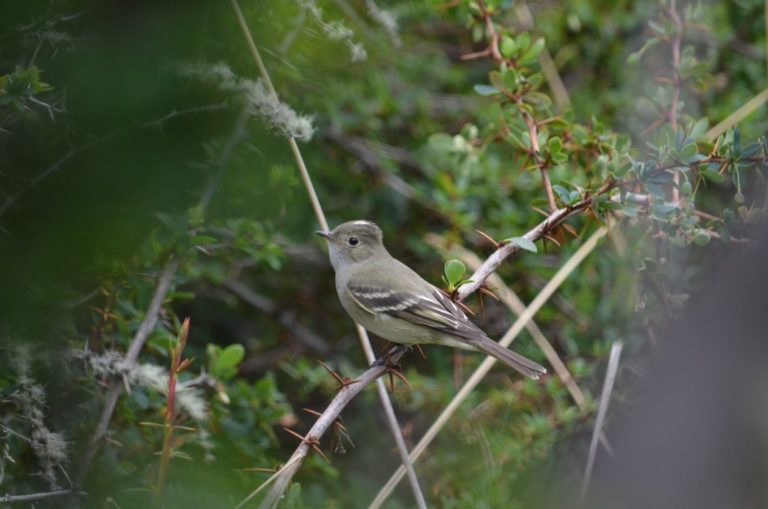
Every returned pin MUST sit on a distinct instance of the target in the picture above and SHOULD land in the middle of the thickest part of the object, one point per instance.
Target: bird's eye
(353, 241)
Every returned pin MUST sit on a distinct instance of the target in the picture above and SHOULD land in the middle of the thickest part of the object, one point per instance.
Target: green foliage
(223, 362)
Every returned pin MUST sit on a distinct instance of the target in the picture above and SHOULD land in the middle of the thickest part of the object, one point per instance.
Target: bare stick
(33, 497)
(543, 296)
(605, 397)
(394, 425)
(326, 420)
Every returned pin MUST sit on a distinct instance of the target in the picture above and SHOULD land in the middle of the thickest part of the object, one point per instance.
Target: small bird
(389, 299)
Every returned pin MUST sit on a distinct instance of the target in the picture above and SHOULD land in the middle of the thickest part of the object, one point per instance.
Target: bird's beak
(324, 234)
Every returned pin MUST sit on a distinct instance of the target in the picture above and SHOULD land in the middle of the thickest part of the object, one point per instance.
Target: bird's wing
(431, 308)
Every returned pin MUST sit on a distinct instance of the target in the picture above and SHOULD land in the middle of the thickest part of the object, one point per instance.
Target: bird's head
(353, 242)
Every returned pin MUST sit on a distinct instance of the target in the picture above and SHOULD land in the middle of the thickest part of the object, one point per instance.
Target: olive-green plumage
(389, 299)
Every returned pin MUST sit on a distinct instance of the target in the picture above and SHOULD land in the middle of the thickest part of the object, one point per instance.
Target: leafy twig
(177, 366)
(545, 227)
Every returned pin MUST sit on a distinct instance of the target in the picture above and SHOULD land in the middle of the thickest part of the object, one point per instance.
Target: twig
(530, 122)
(552, 221)
(323, 423)
(488, 363)
(610, 377)
(33, 497)
(320, 215)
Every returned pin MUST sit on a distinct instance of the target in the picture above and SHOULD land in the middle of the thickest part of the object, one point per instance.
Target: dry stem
(610, 377)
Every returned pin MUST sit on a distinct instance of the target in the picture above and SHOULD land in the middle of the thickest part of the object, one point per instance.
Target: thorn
(453, 297)
(340, 432)
(490, 239)
(395, 371)
(344, 381)
(543, 213)
(465, 308)
(570, 229)
(552, 239)
(311, 442)
(421, 352)
(487, 291)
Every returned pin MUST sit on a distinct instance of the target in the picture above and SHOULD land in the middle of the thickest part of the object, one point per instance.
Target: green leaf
(523, 243)
(701, 238)
(203, 239)
(232, 355)
(532, 52)
(555, 145)
(508, 46)
(454, 270)
(689, 151)
(486, 89)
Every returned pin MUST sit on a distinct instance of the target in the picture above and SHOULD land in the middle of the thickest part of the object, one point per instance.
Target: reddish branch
(675, 42)
(493, 52)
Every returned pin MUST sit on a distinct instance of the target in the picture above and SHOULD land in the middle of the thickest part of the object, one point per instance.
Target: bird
(389, 299)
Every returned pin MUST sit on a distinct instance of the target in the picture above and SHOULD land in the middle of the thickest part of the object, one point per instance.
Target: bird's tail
(508, 357)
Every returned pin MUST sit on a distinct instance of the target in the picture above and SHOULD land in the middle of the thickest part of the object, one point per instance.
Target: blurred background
(143, 158)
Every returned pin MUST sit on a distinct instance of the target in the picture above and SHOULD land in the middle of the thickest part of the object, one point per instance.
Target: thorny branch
(530, 122)
(552, 221)
(326, 420)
